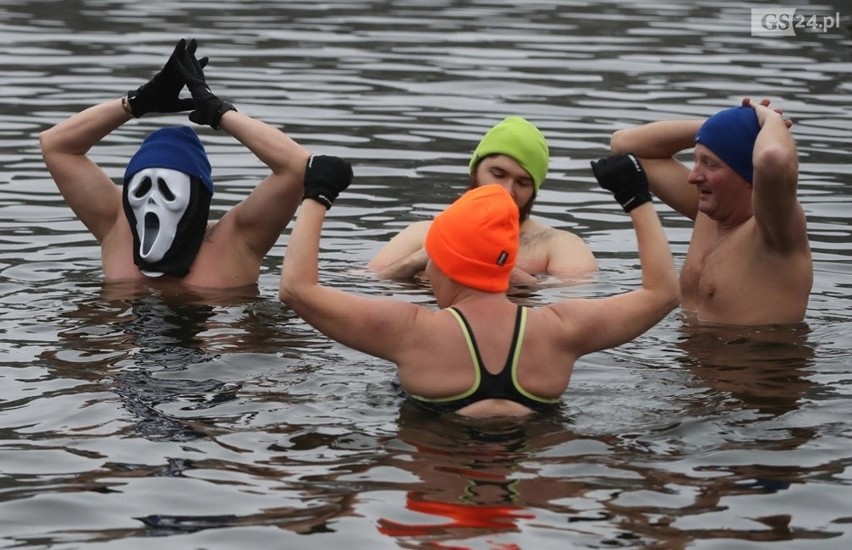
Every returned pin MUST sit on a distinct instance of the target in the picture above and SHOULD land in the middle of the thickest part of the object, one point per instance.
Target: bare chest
(216, 265)
(731, 278)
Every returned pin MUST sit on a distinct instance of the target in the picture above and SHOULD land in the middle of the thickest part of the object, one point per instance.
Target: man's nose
(693, 177)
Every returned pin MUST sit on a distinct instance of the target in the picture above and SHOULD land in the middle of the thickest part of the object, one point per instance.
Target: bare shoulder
(417, 229)
(532, 230)
(557, 252)
(414, 232)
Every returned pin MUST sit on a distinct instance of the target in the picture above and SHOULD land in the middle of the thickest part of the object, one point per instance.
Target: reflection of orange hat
(475, 241)
(489, 517)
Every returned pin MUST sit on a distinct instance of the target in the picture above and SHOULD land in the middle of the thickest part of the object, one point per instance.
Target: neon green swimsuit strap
(520, 330)
(474, 357)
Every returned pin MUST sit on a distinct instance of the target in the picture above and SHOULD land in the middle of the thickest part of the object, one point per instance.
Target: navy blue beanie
(731, 134)
(177, 148)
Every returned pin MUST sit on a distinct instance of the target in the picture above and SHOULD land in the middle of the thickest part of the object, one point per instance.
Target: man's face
(506, 171)
(158, 198)
(723, 195)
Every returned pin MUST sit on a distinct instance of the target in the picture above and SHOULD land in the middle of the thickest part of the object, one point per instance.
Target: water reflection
(129, 414)
(134, 340)
(473, 478)
(763, 368)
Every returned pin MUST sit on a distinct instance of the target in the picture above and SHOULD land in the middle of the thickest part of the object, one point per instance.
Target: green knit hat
(516, 137)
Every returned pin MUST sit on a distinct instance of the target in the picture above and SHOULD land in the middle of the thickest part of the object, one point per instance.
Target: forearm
(299, 271)
(658, 271)
(776, 174)
(656, 140)
(520, 277)
(774, 151)
(79, 133)
(407, 267)
(272, 146)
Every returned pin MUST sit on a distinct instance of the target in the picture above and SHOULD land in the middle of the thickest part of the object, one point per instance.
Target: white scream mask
(158, 198)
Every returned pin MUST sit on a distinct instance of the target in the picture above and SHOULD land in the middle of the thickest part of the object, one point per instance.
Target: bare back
(439, 364)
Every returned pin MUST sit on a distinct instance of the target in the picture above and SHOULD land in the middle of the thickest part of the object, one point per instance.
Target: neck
(732, 222)
(470, 298)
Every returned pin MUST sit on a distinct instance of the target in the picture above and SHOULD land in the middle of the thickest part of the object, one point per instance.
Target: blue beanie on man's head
(174, 147)
(731, 134)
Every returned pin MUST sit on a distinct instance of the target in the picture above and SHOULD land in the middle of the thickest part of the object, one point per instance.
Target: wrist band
(125, 104)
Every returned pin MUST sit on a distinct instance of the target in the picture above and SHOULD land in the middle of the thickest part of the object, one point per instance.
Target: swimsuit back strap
(515, 354)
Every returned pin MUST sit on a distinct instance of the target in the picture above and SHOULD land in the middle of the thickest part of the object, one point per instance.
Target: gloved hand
(624, 177)
(160, 94)
(325, 177)
(208, 107)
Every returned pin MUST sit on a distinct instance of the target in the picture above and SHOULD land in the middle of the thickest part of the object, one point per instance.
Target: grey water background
(133, 419)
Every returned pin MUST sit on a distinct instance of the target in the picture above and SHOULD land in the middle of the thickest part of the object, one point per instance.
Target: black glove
(208, 107)
(325, 177)
(624, 177)
(160, 94)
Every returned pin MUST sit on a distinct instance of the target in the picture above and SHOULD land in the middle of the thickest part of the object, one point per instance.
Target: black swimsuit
(503, 385)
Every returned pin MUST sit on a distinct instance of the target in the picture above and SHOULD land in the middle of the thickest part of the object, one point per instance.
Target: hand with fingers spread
(161, 93)
(208, 107)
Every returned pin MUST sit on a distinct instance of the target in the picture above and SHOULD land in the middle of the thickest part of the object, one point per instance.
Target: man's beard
(524, 210)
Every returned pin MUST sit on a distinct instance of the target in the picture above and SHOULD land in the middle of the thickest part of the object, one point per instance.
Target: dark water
(131, 419)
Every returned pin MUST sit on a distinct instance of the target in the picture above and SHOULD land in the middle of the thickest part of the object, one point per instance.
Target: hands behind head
(325, 178)
(747, 102)
(624, 177)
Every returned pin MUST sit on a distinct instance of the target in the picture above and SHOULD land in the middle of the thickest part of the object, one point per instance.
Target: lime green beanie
(516, 137)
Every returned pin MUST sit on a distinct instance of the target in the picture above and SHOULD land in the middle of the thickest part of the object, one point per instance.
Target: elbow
(286, 292)
(45, 141)
(618, 142)
(666, 294)
(673, 300)
(776, 160)
(670, 297)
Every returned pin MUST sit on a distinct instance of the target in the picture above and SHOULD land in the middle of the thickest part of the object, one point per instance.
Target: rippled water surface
(130, 419)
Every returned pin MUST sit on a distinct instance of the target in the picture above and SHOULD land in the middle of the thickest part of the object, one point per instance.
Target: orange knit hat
(475, 241)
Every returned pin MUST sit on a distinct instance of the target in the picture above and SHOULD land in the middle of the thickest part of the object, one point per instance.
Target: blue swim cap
(177, 148)
(731, 134)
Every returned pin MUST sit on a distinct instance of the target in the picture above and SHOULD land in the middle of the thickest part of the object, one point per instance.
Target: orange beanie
(474, 242)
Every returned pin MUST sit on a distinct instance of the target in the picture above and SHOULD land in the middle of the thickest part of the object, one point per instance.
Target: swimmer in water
(155, 227)
(749, 259)
(480, 354)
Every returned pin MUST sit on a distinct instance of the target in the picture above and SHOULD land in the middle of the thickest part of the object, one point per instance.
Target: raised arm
(262, 216)
(656, 145)
(87, 189)
(777, 211)
(370, 325)
(596, 324)
(259, 219)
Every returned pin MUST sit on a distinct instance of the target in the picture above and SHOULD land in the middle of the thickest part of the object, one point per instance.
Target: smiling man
(749, 259)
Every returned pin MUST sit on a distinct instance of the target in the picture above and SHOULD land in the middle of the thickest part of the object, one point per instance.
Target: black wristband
(631, 198)
(224, 107)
